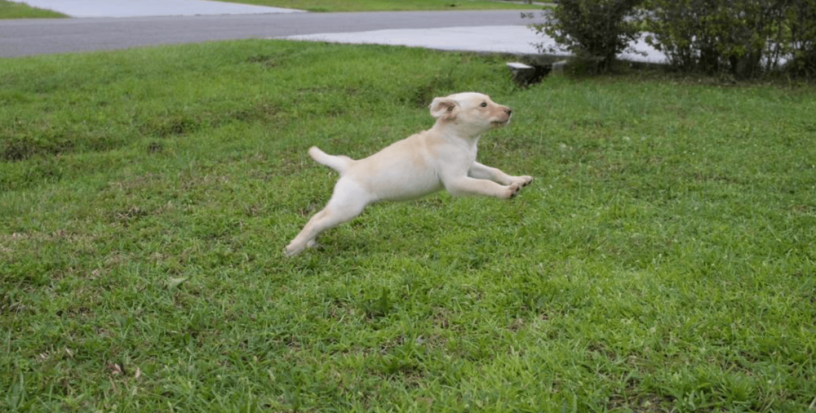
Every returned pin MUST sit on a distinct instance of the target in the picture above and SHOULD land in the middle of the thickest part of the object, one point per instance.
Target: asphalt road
(45, 36)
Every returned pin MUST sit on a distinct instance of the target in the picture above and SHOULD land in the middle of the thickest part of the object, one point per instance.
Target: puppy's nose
(509, 111)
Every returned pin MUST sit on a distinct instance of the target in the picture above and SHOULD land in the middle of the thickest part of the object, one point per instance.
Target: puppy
(442, 157)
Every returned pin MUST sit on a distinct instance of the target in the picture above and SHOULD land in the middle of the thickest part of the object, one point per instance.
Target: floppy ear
(444, 108)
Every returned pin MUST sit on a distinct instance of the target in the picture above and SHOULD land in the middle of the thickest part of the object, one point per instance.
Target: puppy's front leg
(464, 185)
(480, 171)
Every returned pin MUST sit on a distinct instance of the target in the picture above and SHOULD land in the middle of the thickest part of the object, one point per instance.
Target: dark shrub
(592, 29)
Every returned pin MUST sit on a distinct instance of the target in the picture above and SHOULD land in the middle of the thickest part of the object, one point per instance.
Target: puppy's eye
(484, 104)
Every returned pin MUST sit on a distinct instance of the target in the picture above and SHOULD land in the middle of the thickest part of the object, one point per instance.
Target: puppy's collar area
(453, 135)
(452, 129)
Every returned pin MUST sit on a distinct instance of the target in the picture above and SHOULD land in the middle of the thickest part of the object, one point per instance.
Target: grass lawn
(663, 260)
(388, 5)
(12, 10)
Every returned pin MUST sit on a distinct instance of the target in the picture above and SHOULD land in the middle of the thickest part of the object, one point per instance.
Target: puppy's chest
(467, 156)
(472, 155)
(451, 153)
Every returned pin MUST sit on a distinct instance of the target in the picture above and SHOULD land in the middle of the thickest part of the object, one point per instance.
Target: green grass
(388, 5)
(663, 260)
(11, 10)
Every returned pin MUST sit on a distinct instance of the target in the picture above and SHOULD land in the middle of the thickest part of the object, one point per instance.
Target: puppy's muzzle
(508, 113)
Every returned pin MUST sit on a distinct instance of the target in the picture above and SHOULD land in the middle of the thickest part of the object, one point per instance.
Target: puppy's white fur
(444, 156)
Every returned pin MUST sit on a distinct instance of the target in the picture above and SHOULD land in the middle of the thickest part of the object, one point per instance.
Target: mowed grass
(663, 260)
(12, 10)
(388, 5)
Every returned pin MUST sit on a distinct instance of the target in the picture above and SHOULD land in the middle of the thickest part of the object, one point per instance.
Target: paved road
(137, 8)
(44, 36)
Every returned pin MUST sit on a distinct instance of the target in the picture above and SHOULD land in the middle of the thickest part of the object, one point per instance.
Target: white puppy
(444, 156)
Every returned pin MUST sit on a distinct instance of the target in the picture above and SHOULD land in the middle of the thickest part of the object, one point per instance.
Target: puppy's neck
(450, 130)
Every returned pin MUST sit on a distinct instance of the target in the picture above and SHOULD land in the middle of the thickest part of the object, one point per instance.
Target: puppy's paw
(291, 250)
(523, 180)
(512, 190)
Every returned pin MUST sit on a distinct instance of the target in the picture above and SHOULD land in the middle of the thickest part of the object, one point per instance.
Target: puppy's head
(472, 113)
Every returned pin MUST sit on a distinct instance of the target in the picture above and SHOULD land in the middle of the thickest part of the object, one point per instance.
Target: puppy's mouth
(500, 122)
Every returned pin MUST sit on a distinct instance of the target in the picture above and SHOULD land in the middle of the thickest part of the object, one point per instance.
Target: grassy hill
(662, 260)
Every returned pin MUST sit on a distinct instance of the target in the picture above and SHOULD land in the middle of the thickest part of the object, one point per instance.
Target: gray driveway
(44, 36)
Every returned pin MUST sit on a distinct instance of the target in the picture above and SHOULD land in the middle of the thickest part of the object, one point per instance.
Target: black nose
(509, 111)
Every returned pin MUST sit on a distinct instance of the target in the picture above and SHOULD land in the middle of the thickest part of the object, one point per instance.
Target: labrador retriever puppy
(442, 157)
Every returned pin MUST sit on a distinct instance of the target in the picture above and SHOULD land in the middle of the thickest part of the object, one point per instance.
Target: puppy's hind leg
(348, 201)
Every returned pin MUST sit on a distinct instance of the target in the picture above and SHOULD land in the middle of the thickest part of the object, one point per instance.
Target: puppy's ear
(444, 108)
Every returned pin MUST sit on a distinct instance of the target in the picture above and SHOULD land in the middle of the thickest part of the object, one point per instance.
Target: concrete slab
(499, 39)
(143, 8)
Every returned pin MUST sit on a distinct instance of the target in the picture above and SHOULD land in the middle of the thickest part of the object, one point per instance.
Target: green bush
(592, 29)
(715, 35)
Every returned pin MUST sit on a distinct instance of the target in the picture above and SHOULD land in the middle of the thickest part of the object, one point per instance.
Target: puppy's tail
(339, 163)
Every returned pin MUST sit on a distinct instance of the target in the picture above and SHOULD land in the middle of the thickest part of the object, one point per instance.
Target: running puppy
(444, 156)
